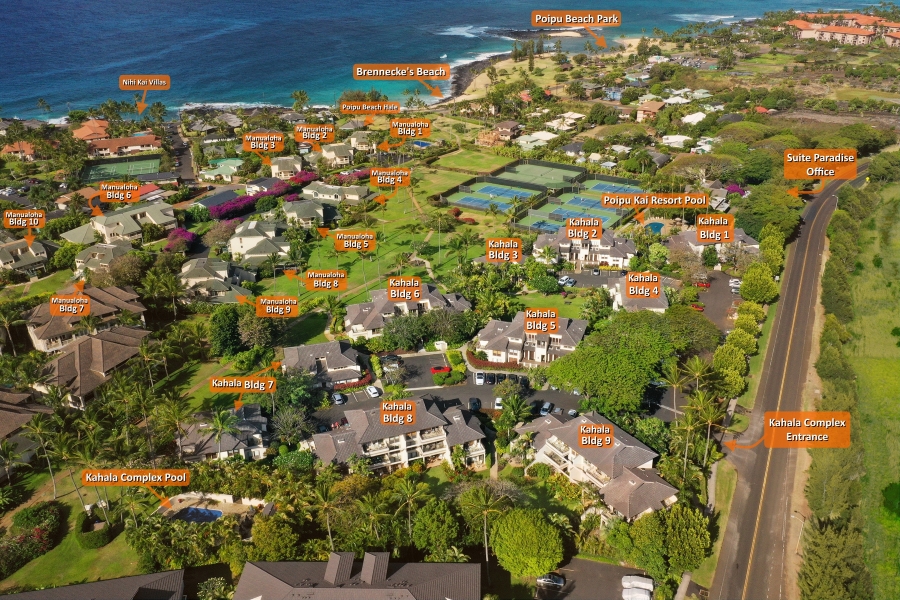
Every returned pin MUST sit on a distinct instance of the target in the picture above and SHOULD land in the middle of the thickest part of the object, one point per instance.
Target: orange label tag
(20, 219)
(70, 305)
(389, 177)
(410, 128)
(325, 281)
(277, 306)
(398, 72)
(807, 429)
(267, 141)
(591, 435)
(256, 385)
(653, 200)
(500, 250)
(404, 289)
(642, 285)
(715, 229)
(120, 191)
(402, 412)
(128, 477)
(584, 228)
(820, 164)
(354, 241)
(370, 108)
(144, 82)
(304, 132)
(576, 18)
(541, 320)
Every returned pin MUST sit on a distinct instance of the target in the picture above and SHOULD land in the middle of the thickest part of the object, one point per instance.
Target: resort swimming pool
(654, 227)
(421, 144)
(198, 515)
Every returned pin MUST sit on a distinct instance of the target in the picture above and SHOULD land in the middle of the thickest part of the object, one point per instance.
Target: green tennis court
(100, 171)
(539, 175)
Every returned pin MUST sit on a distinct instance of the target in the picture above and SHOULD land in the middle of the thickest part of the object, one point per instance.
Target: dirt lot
(880, 118)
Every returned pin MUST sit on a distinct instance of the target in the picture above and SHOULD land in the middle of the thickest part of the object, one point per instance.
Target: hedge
(354, 384)
(85, 534)
(40, 525)
(499, 366)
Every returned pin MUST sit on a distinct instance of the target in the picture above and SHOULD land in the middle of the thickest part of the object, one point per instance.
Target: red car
(697, 307)
(702, 284)
(440, 370)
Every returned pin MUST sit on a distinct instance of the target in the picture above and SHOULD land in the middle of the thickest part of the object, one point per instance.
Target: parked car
(697, 307)
(372, 391)
(734, 281)
(338, 398)
(571, 282)
(498, 403)
(551, 580)
(636, 594)
(564, 280)
(513, 377)
(339, 424)
(474, 404)
(546, 408)
(623, 272)
(572, 413)
(501, 377)
(479, 378)
(637, 582)
(595, 271)
(523, 381)
(701, 284)
(444, 369)
(576, 392)
(491, 379)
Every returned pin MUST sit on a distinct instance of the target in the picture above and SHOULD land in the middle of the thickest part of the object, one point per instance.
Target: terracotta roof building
(123, 146)
(845, 35)
(92, 130)
(22, 150)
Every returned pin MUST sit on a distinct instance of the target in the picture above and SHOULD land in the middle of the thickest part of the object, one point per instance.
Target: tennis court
(540, 175)
(502, 190)
(542, 225)
(480, 203)
(612, 187)
(112, 170)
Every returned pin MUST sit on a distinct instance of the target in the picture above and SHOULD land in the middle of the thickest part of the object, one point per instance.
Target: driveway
(418, 369)
(717, 300)
(589, 580)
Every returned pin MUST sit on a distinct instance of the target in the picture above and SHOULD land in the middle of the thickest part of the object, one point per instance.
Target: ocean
(234, 52)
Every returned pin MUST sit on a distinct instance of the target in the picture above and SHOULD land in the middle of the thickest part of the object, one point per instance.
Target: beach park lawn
(473, 160)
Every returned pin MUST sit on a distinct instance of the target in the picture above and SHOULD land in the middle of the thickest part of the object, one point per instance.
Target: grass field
(726, 481)
(850, 93)
(875, 358)
(473, 160)
(51, 283)
(308, 331)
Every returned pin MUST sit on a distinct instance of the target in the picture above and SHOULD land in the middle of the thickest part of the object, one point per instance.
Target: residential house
(649, 111)
(331, 363)
(658, 158)
(254, 241)
(124, 223)
(50, 334)
(263, 184)
(620, 149)
(349, 194)
(293, 117)
(892, 39)
(429, 439)
(250, 442)
(607, 250)
(285, 167)
(373, 578)
(846, 35)
(505, 341)
(620, 299)
(353, 124)
(16, 410)
(92, 130)
(560, 124)
(27, 259)
(573, 149)
(507, 130)
(337, 155)
(214, 280)
(359, 141)
(231, 120)
(98, 256)
(309, 213)
(535, 140)
(693, 118)
(221, 169)
(216, 138)
(216, 198)
(688, 239)
(367, 319)
(87, 363)
(675, 141)
(673, 100)
(124, 146)
(488, 138)
(624, 473)
(22, 150)
(86, 193)
(168, 585)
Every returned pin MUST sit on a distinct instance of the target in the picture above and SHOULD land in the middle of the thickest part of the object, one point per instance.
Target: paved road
(754, 554)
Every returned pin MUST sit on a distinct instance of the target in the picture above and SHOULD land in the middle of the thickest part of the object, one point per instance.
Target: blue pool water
(421, 144)
(198, 515)
(654, 227)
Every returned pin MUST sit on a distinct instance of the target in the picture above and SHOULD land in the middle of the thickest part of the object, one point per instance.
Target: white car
(372, 391)
(734, 281)
(636, 594)
(563, 280)
(637, 582)
(479, 378)
(498, 403)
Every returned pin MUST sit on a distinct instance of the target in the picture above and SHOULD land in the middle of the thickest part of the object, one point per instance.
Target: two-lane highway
(754, 558)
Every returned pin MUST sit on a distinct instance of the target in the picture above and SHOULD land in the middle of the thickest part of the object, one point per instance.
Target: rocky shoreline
(464, 75)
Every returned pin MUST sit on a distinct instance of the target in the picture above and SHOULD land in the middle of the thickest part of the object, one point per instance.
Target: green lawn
(875, 358)
(568, 307)
(306, 331)
(473, 160)
(436, 181)
(726, 481)
(51, 283)
(862, 94)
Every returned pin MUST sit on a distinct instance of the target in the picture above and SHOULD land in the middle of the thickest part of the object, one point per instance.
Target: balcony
(595, 475)
(375, 448)
(560, 462)
(430, 434)
(431, 448)
(559, 446)
(412, 439)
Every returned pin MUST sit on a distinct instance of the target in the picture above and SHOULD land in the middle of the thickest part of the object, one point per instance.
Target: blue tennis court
(608, 186)
(506, 192)
(481, 204)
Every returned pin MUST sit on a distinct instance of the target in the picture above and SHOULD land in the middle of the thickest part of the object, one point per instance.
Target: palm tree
(89, 323)
(39, 430)
(64, 447)
(454, 555)
(223, 422)
(9, 458)
(174, 413)
(684, 429)
(374, 509)
(301, 99)
(87, 458)
(9, 316)
(675, 379)
(517, 409)
(486, 502)
(327, 504)
(709, 411)
(56, 397)
(148, 354)
(401, 260)
(126, 317)
(697, 369)
(335, 308)
(408, 493)
(457, 247)
(172, 287)
(273, 259)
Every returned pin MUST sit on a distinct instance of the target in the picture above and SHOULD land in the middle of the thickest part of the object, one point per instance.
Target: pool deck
(198, 500)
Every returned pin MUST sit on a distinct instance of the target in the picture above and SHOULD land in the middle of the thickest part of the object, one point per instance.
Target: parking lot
(418, 369)
(717, 300)
(589, 580)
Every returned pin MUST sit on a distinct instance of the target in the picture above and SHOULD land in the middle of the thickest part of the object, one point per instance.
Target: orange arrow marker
(381, 199)
(435, 90)
(385, 146)
(733, 445)
(162, 499)
(369, 120)
(265, 159)
(79, 286)
(142, 104)
(323, 231)
(246, 300)
(639, 217)
(821, 187)
(600, 40)
(291, 273)
(29, 237)
(239, 403)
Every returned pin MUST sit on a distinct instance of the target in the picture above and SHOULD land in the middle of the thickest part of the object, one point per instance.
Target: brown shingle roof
(637, 491)
(106, 303)
(168, 585)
